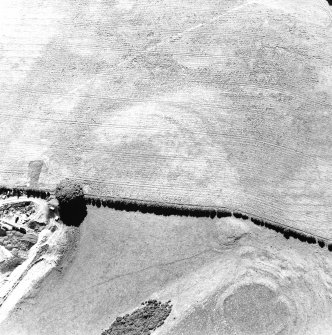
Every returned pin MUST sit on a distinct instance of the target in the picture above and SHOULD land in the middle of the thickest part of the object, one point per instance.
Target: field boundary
(167, 208)
(193, 210)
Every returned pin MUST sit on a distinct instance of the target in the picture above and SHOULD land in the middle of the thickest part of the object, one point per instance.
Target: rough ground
(213, 271)
(143, 320)
(224, 102)
(30, 214)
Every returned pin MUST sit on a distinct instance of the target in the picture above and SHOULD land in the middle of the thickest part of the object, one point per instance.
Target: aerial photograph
(166, 167)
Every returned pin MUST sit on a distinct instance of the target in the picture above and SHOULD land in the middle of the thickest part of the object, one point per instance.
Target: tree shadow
(73, 213)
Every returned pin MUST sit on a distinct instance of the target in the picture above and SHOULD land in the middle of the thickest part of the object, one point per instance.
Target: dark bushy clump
(110, 203)
(213, 213)
(287, 233)
(237, 215)
(223, 214)
(321, 243)
(255, 221)
(311, 239)
(300, 236)
(72, 206)
(164, 210)
(277, 228)
(268, 225)
(68, 190)
(142, 321)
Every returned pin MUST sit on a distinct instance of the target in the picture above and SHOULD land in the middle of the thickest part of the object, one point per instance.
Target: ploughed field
(207, 102)
(222, 276)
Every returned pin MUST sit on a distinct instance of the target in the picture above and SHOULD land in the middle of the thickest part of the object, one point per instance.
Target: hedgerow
(24, 191)
(166, 209)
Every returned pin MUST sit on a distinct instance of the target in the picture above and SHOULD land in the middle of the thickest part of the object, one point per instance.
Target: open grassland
(211, 270)
(218, 103)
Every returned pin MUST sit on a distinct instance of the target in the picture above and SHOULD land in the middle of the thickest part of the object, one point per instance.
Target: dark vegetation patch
(321, 243)
(239, 215)
(72, 205)
(142, 321)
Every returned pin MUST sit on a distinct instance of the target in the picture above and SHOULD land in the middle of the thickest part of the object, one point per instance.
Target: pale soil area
(55, 244)
(39, 214)
(213, 271)
(43, 257)
(211, 102)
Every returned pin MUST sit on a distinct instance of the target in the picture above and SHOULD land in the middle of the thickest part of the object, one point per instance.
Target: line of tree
(166, 209)
(288, 232)
(24, 191)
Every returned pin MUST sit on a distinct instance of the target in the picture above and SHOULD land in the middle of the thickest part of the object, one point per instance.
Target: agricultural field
(222, 276)
(225, 104)
(204, 102)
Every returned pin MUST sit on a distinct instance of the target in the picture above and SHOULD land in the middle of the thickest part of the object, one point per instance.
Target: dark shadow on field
(74, 213)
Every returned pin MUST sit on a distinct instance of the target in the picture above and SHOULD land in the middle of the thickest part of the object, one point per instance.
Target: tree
(72, 206)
